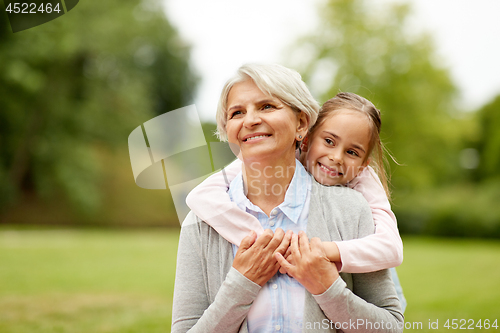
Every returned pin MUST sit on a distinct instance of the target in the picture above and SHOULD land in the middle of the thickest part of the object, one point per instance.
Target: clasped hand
(259, 259)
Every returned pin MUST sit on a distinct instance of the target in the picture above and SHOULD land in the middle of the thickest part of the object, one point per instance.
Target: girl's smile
(329, 171)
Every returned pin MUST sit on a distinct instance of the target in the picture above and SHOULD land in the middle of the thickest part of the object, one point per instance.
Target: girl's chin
(328, 181)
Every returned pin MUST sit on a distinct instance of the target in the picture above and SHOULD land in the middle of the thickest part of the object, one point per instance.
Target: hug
(275, 251)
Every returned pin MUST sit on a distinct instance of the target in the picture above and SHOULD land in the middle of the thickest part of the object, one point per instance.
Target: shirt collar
(295, 196)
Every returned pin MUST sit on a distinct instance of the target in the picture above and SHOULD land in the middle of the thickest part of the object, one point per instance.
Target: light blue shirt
(279, 306)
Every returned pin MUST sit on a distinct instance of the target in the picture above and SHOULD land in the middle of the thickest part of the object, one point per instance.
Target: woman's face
(261, 125)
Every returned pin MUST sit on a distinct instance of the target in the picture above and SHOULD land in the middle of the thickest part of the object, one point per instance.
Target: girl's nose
(335, 156)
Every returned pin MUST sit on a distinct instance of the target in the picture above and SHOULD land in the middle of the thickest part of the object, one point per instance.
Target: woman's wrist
(327, 289)
(322, 286)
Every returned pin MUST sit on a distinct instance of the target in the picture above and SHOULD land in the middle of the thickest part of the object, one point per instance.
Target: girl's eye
(352, 152)
(329, 142)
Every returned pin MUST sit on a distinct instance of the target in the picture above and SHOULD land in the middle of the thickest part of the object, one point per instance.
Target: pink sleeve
(211, 203)
(383, 249)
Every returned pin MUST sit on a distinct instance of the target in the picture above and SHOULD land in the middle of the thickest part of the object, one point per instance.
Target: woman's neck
(266, 182)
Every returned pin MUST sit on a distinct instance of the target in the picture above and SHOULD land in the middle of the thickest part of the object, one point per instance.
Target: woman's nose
(252, 118)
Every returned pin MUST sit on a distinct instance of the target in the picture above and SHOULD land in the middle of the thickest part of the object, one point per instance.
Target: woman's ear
(303, 124)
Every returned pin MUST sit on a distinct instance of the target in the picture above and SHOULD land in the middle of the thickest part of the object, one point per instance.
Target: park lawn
(86, 280)
(451, 279)
(122, 281)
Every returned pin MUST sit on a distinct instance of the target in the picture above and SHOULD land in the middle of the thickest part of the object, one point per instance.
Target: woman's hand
(256, 260)
(311, 267)
(289, 257)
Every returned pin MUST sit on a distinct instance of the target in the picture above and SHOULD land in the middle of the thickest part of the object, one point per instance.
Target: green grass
(86, 281)
(451, 278)
(122, 281)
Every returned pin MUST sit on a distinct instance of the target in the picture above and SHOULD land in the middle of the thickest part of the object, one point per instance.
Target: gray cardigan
(211, 296)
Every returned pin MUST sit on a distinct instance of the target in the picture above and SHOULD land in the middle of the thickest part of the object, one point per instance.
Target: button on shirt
(279, 306)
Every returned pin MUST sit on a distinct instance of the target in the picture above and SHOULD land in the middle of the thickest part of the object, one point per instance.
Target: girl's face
(336, 153)
(262, 126)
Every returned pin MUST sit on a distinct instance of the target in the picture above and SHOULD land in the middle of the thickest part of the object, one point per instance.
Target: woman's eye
(234, 114)
(268, 106)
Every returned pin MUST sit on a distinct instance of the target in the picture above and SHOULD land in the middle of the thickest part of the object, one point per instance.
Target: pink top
(384, 249)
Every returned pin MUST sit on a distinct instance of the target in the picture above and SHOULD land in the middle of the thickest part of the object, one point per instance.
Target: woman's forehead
(247, 92)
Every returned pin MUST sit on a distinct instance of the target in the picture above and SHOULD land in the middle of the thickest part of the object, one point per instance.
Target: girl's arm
(384, 248)
(211, 203)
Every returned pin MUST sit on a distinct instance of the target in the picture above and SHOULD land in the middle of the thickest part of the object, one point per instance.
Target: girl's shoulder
(367, 176)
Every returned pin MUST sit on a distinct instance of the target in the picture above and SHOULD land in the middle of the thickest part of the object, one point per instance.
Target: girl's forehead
(345, 116)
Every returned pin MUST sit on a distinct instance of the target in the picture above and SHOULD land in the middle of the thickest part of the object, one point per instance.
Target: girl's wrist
(332, 251)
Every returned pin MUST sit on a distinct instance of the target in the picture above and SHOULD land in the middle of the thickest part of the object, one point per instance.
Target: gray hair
(274, 80)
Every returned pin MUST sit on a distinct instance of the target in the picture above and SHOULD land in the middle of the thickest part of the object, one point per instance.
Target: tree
(488, 142)
(81, 83)
(369, 50)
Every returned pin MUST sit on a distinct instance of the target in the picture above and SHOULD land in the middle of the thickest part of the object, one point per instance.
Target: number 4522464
(31, 8)
(470, 324)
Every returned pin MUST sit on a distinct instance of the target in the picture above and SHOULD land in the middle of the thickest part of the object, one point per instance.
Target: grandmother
(266, 110)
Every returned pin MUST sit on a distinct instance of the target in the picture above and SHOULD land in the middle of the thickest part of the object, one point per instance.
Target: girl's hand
(332, 251)
(256, 260)
(311, 268)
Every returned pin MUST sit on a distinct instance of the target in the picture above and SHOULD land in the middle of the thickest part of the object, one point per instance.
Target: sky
(225, 34)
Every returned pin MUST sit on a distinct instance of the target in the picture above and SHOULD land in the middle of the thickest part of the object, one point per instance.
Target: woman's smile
(257, 137)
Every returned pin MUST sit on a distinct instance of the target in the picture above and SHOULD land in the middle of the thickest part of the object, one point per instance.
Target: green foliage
(367, 49)
(488, 143)
(461, 210)
(82, 81)
(209, 131)
(124, 204)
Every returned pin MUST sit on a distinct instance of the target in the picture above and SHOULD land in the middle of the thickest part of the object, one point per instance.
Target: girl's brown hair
(345, 101)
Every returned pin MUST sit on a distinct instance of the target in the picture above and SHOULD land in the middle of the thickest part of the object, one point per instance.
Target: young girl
(337, 151)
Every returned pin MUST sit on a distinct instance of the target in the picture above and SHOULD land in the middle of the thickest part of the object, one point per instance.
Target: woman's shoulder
(198, 234)
(193, 224)
(196, 229)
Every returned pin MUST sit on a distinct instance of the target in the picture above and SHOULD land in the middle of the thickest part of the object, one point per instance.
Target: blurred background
(82, 248)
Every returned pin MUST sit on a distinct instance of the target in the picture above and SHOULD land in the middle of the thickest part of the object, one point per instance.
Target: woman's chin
(262, 153)
(262, 157)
